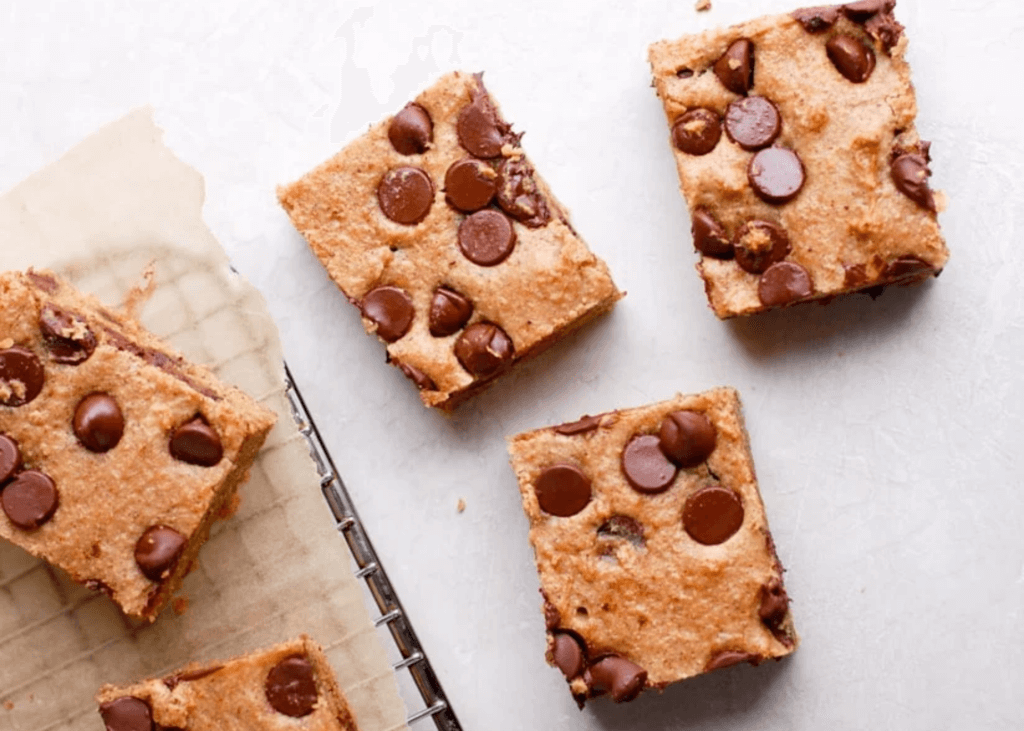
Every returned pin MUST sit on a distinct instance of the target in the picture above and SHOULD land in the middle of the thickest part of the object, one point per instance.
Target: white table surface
(887, 434)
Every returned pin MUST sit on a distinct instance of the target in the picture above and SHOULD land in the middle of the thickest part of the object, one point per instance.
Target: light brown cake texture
(548, 286)
(248, 693)
(108, 500)
(850, 227)
(623, 577)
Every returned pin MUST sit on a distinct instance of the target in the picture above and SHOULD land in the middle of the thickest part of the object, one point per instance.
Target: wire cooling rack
(414, 661)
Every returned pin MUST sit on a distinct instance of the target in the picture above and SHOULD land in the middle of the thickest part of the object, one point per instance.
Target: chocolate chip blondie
(652, 545)
(288, 686)
(795, 143)
(438, 228)
(116, 454)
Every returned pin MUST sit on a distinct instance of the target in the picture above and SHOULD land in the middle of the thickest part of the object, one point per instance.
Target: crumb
(461, 505)
(8, 705)
(180, 605)
(703, 5)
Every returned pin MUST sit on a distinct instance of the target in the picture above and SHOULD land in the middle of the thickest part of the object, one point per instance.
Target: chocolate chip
(851, 58)
(567, 654)
(618, 676)
(684, 73)
(584, 425)
(411, 130)
(885, 28)
(646, 467)
(483, 349)
(10, 458)
(854, 275)
(752, 122)
(44, 281)
(759, 244)
(30, 499)
(173, 681)
(405, 195)
(519, 195)
(864, 10)
(712, 515)
(486, 238)
(480, 129)
(67, 336)
(470, 184)
(784, 282)
(391, 309)
(735, 69)
(449, 312)
(774, 605)
(21, 376)
(291, 687)
(562, 490)
(625, 528)
(687, 437)
(697, 132)
(422, 380)
(196, 442)
(127, 714)
(157, 551)
(910, 173)
(709, 236)
(776, 175)
(728, 658)
(817, 20)
(98, 422)
(907, 267)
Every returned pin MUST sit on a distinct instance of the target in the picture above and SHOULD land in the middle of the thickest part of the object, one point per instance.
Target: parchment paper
(115, 203)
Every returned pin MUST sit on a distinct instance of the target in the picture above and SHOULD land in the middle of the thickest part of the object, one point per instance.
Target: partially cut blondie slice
(652, 545)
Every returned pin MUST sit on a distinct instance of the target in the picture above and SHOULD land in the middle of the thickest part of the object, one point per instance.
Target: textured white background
(887, 434)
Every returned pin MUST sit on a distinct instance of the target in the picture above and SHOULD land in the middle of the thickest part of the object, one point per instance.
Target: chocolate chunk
(735, 69)
(855, 275)
(481, 130)
(98, 422)
(618, 676)
(486, 238)
(752, 122)
(411, 131)
(10, 458)
(470, 184)
(158, 550)
(172, 681)
(562, 490)
(776, 175)
(759, 244)
(584, 425)
(449, 312)
(885, 28)
(910, 173)
(291, 687)
(44, 281)
(21, 376)
(817, 20)
(709, 236)
(30, 499)
(422, 380)
(196, 442)
(697, 132)
(405, 195)
(391, 309)
(67, 336)
(774, 605)
(645, 466)
(625, 528)
(687, 437)
(851, 58)
(712, 515)
(483, 349)
(784, 282)
(907, 267)
(567, 654)
(519, 195)
(127, 714)
(728, 658)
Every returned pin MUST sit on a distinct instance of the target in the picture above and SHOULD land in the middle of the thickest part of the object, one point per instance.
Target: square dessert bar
(797, 154)
(652, 545)
(116, 454)
(289, 686)
(437, 227)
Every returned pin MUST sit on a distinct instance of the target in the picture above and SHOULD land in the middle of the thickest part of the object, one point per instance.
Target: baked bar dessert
(289, 686)
(797, 153)
(116, 454)
(652, 545)
(437, 227)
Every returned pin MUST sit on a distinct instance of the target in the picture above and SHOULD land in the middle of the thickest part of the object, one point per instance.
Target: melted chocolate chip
(196, 442)
(21, 376)
(752, 122)
(584, 425)
(687, 437)
(172, 681)
(645, 466)
(486, 238)
(481, 130)
(854, 275)
(735, 69)
(684, 73)
(411, 131)
(519, 195)
(391, 309)
(127, 714)
(30, 499)
(776, 175)
(483, 349)
(449, 312)
(157, 551)
(907, 268)
(405, 195)
(783, 283)
(66, 334)
(10, 458)
(759, 244)
(817, 20)
(567, 654)
(774, 605)
(864, 10)
(618, 676)
(44, 281)
(851, 58)
(885, 28)
(291, 687)
(624, 528)
(562, 490)
(712, 515)
(709, 236)
(422, 380)
(728, 658)
(98, 422)
(470, 184)
(910, 173)
(697, 132)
